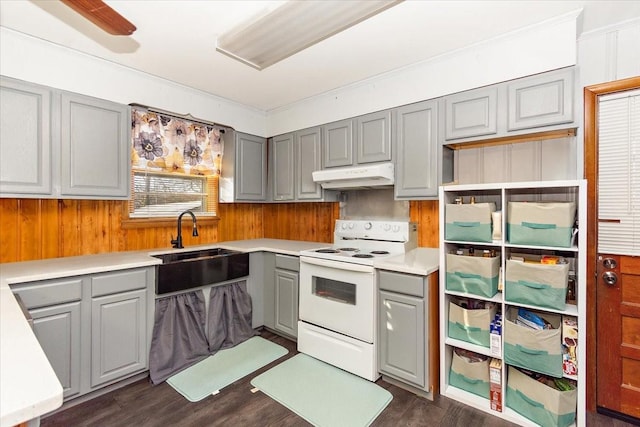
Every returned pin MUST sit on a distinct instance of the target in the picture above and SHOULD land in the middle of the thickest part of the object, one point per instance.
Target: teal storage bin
(538, 402)
(470, 376)
(472, 274)
(468, 222)
(470, 325)
(536, 350)
(542, 285)
(542, 224)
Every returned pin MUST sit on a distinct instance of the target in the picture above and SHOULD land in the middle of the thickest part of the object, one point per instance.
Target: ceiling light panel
(294, 26)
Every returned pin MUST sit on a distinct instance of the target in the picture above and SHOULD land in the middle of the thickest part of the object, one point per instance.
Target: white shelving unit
(501, 194)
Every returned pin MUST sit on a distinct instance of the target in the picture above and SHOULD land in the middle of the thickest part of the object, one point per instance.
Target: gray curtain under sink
(179, 338)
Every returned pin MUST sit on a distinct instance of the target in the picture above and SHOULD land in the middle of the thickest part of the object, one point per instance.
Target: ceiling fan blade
(102, 15)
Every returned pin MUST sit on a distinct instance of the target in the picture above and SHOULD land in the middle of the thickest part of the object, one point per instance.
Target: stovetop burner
(380, 252)
(327, 251)
(362, 256)
(348, 249)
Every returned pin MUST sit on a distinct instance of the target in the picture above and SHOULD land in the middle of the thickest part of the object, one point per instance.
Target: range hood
(374, 175)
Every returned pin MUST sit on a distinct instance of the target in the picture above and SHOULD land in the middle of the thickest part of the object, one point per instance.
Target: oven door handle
(337, 265)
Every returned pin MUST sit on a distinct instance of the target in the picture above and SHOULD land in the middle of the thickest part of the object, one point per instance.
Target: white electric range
(338, 293)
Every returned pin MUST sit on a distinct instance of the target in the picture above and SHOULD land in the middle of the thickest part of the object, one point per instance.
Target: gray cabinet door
(58, 331)
(251, 167)
(338, 144)
(95, 148)
(309, 159)
(374, 137)
(286, 310)
(542, 100)
(283, 167)
(417, 151)
(25, 138)
(118, 336)
(471, 113)
(268, 283)
(402, 337)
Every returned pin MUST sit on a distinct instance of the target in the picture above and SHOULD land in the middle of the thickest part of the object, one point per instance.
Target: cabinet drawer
(402, 283)
(287, 262)
(121, 281)
(50, 292)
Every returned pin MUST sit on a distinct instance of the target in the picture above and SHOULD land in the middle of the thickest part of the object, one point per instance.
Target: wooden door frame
(591, 94)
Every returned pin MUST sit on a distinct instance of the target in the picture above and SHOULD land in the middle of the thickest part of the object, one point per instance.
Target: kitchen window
(175, 166)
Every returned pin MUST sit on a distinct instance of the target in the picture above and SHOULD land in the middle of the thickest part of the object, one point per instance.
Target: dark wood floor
(140, 404)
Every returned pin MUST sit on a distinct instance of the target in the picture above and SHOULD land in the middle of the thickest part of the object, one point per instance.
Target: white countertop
(28, 385)
(421, 261)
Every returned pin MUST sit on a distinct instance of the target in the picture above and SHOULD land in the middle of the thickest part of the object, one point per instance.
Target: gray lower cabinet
(281, 287)
(402, 328)
(25, 138)
(58, 330)
(57, 144)
(416, 172)
(94, 329)
(118, 336)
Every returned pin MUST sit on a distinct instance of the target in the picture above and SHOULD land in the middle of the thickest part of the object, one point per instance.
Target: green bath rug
(223, 368)
(322, 394)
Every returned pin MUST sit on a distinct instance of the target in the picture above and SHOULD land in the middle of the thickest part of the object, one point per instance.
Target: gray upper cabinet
(472, 113)
(540, 103)
(283, 154)
(373, 140)
(542, 100)
(308, 159)
(25, 138)
(416, 172)
(95, 147)
(56, 144)
(251, 167)
(338, 144)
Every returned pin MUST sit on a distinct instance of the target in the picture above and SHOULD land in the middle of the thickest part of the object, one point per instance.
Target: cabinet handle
(529, 400)
(538, 226)
(530, 350)
(470, 380)
(467, 275)
(533, 284)
(467, 224)
(468, 328)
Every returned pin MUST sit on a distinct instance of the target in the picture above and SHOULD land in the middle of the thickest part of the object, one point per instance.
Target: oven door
(339, 296)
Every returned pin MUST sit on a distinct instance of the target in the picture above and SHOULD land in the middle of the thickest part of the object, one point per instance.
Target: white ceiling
(176, 40)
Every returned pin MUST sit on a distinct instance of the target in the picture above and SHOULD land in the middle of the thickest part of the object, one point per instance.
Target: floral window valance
(165, 143)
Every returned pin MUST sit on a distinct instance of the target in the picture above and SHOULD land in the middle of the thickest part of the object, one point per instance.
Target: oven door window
(334, 290)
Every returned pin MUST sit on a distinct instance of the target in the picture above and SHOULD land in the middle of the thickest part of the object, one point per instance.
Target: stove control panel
(380, 230)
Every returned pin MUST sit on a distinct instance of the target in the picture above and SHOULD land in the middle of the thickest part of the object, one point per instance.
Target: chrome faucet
(177, 242)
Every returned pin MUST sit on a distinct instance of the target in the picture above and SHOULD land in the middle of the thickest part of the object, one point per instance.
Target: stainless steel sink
(185, 270)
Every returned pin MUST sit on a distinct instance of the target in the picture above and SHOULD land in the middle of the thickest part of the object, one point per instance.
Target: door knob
(609, 263)
(610, 278)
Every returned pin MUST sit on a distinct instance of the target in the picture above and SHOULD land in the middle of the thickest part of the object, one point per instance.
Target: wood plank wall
(34, 229)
